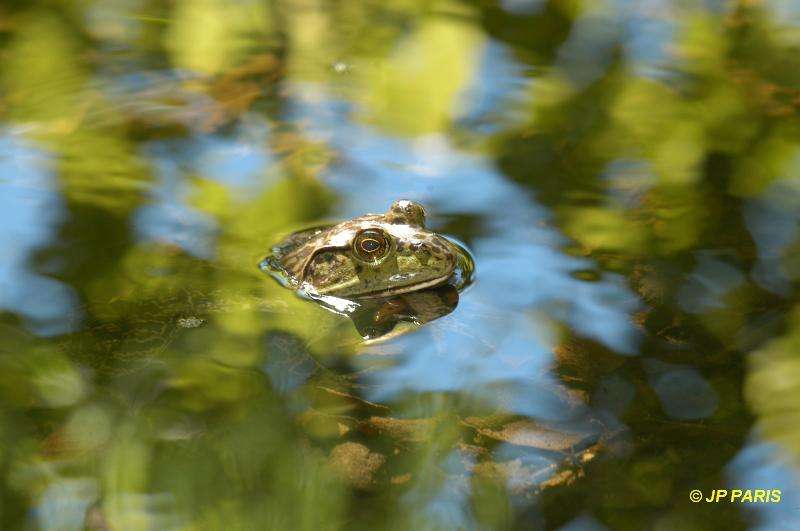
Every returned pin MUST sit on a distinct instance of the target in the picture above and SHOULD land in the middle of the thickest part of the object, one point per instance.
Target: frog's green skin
(324, 261)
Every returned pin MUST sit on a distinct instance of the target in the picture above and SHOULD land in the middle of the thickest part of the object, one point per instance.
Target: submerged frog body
(372, 256)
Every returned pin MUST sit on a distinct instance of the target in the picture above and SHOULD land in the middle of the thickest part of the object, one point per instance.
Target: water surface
(624, 173)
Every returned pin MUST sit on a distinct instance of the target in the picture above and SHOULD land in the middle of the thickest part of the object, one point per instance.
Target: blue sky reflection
(240, 163)
(765, 465)
(30, 211)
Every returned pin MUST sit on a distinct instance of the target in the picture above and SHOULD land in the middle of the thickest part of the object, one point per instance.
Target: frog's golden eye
(371, 245)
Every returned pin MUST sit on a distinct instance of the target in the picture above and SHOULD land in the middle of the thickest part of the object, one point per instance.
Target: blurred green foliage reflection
(626, 174)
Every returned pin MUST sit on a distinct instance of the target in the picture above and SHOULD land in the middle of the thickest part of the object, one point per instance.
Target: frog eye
(371, 245)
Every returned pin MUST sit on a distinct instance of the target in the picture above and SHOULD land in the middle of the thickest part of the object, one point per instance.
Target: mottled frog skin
(377, 255)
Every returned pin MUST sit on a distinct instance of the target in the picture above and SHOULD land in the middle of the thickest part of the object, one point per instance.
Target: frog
(372, 256)
(379, 269)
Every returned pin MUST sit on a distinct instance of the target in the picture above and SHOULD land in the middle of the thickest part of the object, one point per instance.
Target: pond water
(626, 176)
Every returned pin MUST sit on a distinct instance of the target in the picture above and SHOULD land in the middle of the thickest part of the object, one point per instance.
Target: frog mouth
(401, 289)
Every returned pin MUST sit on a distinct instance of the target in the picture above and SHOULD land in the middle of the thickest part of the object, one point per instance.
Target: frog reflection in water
(389, 267)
